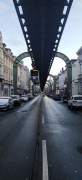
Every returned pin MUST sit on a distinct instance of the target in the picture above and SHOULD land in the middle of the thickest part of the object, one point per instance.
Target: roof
(79, 52)
(4, 97)
(73, 61)
(77, 95)
(42, 23)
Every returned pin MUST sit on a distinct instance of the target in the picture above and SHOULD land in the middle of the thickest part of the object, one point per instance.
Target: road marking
(42, 119)
(45, 162)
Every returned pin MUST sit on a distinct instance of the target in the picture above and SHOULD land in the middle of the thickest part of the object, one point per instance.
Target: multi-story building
(8, 61)
(6, 71)
(79, 53)
(27, 77)
(75, 70)
(23, 78)
(62, 80)
(1, 65)
(57, 84)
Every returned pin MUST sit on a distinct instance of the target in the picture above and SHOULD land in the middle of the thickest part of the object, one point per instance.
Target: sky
(12, 34)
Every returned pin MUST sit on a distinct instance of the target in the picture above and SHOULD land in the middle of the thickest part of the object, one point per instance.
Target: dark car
(57, 97)
(17, 99)
(65, 98)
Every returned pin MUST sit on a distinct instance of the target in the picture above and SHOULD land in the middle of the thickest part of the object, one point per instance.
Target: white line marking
(42, 119)
(45, 162)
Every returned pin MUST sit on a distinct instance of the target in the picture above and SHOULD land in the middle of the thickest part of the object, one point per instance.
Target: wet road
(18, 134)
(61, 130)
(41, 140)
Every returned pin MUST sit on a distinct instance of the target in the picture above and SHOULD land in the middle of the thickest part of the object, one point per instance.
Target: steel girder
(42, 23)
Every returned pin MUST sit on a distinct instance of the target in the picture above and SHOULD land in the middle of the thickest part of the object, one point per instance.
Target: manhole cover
(79, 149)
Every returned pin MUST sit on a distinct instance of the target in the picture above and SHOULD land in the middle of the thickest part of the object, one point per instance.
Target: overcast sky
(13, 37)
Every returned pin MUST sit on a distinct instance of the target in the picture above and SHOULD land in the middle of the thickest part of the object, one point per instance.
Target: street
(41, 140)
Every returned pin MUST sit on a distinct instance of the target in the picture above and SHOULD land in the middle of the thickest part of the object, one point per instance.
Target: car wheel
(18, 103)
(68, 106)
(7, 108)
(12, 106)
(72, 107)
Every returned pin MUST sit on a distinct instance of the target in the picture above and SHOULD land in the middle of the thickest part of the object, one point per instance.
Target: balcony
(8, 82)
(1, 76)
(79, 76)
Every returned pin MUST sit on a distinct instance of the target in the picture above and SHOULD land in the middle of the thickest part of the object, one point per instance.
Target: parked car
(51, 95)
(24, 98)
(17, 99)
(75, 101)
(43, 94)
(65, 98)
(6, 103)
(30, 96)
(57, 97)
(36, 94)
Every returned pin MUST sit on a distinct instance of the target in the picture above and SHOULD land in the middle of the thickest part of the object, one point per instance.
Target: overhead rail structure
(42, 23)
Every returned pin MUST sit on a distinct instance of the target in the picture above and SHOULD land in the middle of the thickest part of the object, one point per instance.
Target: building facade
(23, 79)
(75, 70)
(62, 81)
(79, 53)
(57, 84)
(6, 71)
(1, 65)
(8, 61)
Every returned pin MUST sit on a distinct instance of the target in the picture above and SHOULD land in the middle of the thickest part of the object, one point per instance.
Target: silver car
(75, 101)
(24, 98)
(6, 103)
(16, 99)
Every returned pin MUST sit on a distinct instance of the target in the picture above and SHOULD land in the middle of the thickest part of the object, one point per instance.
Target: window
(0, 70)
(77, 98)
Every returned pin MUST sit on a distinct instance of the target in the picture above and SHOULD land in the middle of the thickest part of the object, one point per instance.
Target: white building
(1, 65)
(75, 70)
(62, 80)
(27, 77)
(6, 71)
(79, 53)
(8, 60)
(23, 78)
(57, 84)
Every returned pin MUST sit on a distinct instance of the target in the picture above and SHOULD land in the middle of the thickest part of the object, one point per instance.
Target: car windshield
(24, 96)
(77, 98)
(3, 100)
(14, 97)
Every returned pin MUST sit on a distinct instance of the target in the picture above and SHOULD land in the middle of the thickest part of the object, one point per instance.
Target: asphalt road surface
(41, 140)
